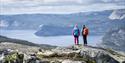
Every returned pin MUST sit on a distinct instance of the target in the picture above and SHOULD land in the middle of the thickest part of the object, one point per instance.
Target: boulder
(70, 61)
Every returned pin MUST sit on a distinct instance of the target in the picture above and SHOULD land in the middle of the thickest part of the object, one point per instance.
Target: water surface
(51, 40)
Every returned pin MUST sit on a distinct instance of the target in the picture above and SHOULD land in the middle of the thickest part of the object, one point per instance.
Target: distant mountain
(98, 22)
(33, 21)
(118, 14)
(48, 30)
(4, 39)
(115, 37)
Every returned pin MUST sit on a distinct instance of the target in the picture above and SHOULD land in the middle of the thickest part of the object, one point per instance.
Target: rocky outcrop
(21, 48)
(69, 61)
(82, 54)
(75, 54)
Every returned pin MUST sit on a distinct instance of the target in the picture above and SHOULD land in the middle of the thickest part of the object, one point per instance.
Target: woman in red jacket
(85, 33)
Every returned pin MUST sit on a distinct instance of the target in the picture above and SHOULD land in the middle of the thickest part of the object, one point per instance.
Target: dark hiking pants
(85, 39)
(76, 40)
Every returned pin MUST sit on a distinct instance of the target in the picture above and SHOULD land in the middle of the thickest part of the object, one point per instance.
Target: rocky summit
(72, 54)
(82, 54)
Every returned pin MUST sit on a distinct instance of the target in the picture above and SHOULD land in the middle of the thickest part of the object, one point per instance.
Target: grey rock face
(86, 54)
(105, 58)
(115, 39)
(99, 56)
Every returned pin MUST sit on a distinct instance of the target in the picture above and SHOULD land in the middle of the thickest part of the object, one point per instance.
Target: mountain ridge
(4, 39)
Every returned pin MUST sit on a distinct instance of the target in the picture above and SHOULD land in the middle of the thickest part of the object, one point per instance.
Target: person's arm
(82, 31)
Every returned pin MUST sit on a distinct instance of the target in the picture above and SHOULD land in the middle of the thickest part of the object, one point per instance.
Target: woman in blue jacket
(76, 34)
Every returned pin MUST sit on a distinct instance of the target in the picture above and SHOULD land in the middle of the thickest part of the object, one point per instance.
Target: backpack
(76, 32)
(85, 31)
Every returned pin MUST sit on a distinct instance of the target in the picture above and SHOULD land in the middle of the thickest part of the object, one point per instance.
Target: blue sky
(57, 6)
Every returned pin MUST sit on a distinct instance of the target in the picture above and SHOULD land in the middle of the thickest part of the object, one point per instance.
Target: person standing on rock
(76, 34)
(85, 33)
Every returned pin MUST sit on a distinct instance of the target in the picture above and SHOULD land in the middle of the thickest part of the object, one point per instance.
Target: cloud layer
(57, 6)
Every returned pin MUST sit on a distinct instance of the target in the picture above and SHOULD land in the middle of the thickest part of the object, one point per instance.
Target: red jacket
(85, 31)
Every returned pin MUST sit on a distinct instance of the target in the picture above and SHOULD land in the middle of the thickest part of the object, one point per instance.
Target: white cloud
(60, 9)
(46, 1)
(57, 1)
(55, 6)
(113, 0)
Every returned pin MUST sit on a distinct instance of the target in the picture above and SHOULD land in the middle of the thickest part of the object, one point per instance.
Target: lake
(51, 40)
